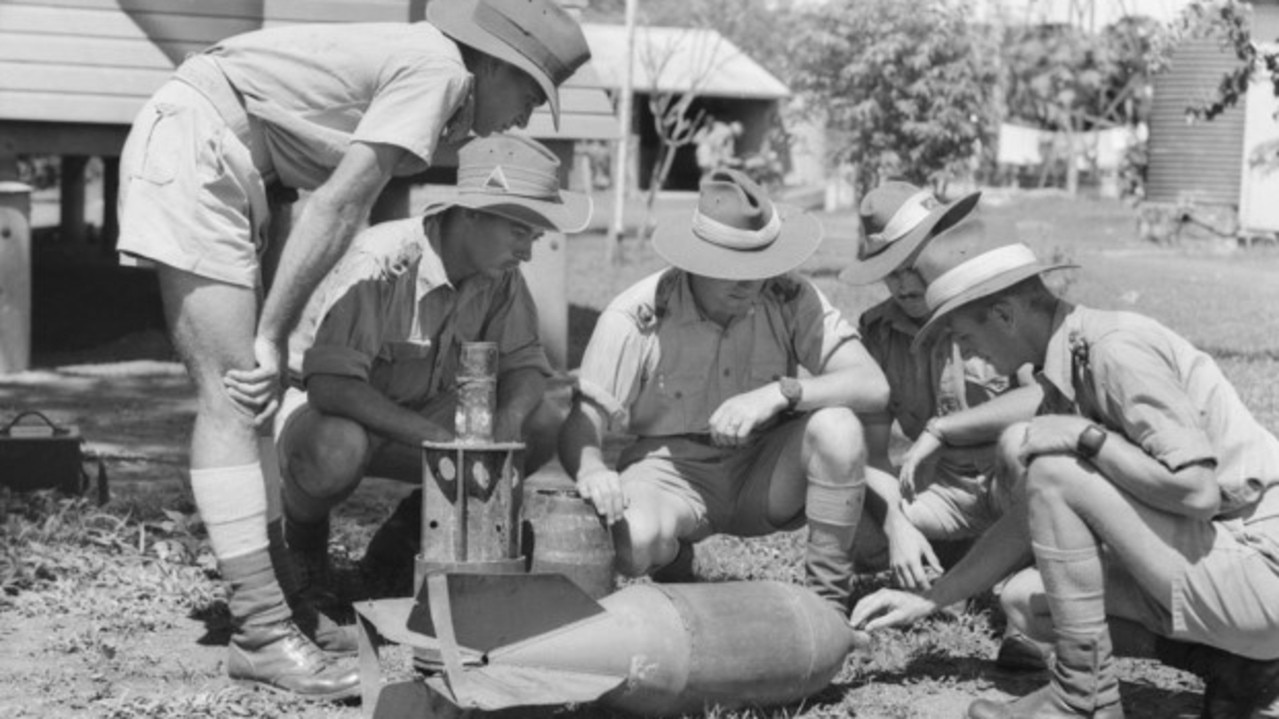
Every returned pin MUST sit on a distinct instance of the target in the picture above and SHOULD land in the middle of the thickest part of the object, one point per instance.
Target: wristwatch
(792, 390)
(1090, 441)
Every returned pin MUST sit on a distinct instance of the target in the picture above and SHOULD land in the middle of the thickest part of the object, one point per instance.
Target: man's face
(505, 97)
(989, 334)
(907, 289)
(726, 298)
(496, 244)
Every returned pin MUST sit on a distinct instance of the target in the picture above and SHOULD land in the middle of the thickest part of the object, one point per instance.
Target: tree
(905, 86)
(1068, 80)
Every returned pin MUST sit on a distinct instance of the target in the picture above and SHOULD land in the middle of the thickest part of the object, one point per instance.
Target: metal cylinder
(471, 496)
(564, 535)
(476, 392)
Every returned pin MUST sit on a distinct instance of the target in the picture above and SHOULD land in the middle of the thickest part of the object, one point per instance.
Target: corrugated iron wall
(1197, 161)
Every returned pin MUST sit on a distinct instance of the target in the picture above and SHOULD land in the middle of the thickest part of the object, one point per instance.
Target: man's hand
(908, 553)
(603, 489)
(920, 452)
(258, 390)
(889, 608)
(1051, 434)
(735, 419)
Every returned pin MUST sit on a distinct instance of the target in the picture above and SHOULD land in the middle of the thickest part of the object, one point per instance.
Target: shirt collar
(431, 274)
(1057, 357)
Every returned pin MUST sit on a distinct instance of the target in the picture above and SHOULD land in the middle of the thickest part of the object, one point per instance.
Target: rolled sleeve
(616, 359)
(349, 337)
(1138, 389)
(820, 328)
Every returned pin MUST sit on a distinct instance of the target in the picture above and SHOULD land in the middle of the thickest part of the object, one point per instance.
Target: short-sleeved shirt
(317, 88)
(388, 315)
(659, 367)
(935, 382)
(1142, 380)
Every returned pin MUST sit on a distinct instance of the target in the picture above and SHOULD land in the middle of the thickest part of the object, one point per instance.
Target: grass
(115, 611)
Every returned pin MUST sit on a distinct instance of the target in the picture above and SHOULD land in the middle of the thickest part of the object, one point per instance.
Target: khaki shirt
(388, 315)
(318, 88)
(1139, 378)
(658, 367)
(937, 382)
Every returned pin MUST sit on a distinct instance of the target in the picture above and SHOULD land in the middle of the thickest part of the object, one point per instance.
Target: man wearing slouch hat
(741, 383)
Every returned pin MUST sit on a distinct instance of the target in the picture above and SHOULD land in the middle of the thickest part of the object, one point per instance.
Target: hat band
(735, 238)
(979, 269)
(907, 217)
(507, 180)
(528, 44)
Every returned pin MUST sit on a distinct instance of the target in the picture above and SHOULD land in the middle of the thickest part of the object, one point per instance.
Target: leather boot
(389, 560)
(1020, 653)
(295, 571)
(1235, 687)
(279, 657)
(1083, 684)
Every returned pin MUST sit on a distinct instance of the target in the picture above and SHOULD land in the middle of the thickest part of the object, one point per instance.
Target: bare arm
(582, 455)
(518, 392)
(323, 232)
(984, 422)
(358, 401)
(851, 378)
(1189, 491)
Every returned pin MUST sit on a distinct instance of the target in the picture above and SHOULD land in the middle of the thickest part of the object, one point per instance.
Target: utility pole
(623, 138)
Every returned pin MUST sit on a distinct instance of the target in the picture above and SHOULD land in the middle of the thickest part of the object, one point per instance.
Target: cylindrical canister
(476, 392)
(564, 535)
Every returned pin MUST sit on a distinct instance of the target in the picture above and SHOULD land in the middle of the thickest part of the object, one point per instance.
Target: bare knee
(641, 544)
(1024, 604)
(328, 459)
(1049, 478)
(835, 434)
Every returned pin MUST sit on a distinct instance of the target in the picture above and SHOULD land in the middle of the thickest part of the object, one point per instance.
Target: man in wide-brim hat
(1144, 499)
(948, 478)
(207, 178)
(740, 382)
(376, 356)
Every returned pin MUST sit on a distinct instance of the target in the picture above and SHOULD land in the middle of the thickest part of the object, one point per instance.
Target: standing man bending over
(701, 361)
(1147, 499)
(204, 179)
(380, 374)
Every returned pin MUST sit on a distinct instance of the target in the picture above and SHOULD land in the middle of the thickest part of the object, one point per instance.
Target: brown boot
(1235, 687)
(1083, 684)
(1020, 653)
(279, 657)
(304, 578)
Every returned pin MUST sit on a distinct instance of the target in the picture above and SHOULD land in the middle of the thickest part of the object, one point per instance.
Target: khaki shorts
(954, 505)
(727, 488)
(190, 197)
(1226, 597)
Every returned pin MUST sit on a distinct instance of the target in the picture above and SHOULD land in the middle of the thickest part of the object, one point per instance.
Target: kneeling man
(702, 362)
(1146, 498)
(379, 375)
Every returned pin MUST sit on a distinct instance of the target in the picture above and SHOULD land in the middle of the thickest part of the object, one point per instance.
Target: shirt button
(727, 372)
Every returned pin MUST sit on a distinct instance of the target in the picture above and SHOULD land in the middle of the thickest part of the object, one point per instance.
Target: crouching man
(701, 361)
(379, 375)
(1145, 500)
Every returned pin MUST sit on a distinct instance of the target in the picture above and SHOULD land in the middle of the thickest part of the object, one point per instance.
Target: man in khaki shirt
(1146, 499)
(702, 362)
(379, 348)
(950, 491)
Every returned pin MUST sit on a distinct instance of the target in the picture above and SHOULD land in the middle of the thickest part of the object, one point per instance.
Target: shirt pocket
(163, 148)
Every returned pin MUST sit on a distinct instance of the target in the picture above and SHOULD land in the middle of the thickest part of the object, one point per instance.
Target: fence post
(15, 277)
